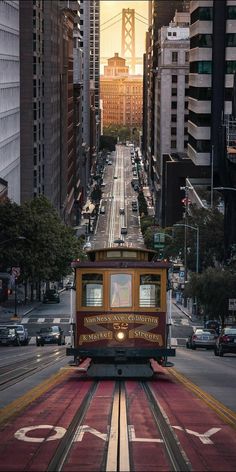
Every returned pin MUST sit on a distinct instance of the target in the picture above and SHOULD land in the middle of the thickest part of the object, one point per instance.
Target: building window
(187, 56)
(231, 12)
(173, 144)
(173, 131)
(174, 105)
(201, 41)
(200, 145)
(231, 40)
(186, 79)
(174, 56)
(201, 67)
(186, 105)
(186, 130)
(230, 67)
(174, 92)
(202, 13)
(174, 79)
(174, 118)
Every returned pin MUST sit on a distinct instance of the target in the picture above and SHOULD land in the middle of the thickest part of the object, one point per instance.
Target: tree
(143, 209)
(211, 238)
(213, 288)
(48, 246)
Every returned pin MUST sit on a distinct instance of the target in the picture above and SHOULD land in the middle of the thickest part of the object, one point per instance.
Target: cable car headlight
(120, 336)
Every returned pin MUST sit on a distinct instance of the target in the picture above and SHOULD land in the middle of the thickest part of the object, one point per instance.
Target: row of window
(205, 67)
(206, 40)
(206, 13)
(175, 55)
(205, 93)
(120, 293)
(200, 145)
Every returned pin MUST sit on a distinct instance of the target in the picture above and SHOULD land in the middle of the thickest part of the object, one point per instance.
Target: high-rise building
(160, 13)
(212, 70)
(89, 29)
(171, 98)
(10, 100)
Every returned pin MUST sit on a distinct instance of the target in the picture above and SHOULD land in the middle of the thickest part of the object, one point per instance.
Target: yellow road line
(17, 405)
(225, 413)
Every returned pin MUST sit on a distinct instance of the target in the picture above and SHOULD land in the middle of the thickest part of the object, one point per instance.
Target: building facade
(171, 99)
(121, 94)
(211, 83)
(10, 99)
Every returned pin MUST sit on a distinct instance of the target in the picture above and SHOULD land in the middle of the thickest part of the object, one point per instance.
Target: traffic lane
(214, 375)
(207, 441)
(46, 419)
(16, 392)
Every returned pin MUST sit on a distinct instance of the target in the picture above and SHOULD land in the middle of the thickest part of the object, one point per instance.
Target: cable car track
(117, 454)
(20, 370)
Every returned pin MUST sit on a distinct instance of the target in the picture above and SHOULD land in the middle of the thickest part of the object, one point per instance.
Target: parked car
(189, 339)
(51, 295)
(205, 338)
(9, 336)
(51, 335)
(22, 332)
(102, 210)
(226, 342)
(123, 230)
(213, 324)
(122, 211)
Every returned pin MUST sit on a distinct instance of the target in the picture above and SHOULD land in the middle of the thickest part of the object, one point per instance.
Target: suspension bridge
(127, 17)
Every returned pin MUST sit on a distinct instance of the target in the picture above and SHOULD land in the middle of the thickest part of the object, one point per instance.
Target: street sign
(232, 304)
(15, 271)
(159, 240)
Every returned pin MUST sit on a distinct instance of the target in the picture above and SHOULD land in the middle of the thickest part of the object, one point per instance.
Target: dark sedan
(52, 335)
(51, 295)
(226, 342)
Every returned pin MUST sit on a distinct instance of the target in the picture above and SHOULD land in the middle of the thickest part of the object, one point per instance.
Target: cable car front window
(121, 290)
(92, 290)
(150, 291)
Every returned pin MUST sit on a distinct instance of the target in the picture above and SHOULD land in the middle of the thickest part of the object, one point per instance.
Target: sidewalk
(7, 310)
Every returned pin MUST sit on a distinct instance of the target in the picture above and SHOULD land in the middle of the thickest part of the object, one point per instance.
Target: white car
(87, 245)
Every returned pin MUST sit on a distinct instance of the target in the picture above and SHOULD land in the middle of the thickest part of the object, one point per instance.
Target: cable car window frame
(92, 276)
(151, 287)
(112, 294)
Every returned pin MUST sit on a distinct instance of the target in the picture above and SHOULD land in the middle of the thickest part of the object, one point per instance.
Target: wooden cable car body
(120, 319)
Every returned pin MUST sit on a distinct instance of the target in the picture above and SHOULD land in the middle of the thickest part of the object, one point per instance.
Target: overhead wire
(109, 26)
(110, 19)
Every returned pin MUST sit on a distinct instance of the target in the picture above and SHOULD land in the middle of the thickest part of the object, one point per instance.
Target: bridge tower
(128, 36)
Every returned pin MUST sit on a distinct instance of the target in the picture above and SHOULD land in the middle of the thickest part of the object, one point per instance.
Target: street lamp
(225, 188)
(196, 228)
(17, 238)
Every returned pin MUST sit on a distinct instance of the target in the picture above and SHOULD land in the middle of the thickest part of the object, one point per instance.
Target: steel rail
(175, 454)
(64, 447)
(118, 444)
(28, 370)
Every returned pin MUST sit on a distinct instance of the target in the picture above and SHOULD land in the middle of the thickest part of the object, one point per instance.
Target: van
(102, 210)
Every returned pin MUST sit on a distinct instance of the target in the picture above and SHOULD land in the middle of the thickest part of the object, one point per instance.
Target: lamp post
(196, 228)
(15, 270)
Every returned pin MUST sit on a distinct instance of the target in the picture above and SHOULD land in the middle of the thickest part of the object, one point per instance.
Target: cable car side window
(121, 290)
(150, 290)
(92, 290)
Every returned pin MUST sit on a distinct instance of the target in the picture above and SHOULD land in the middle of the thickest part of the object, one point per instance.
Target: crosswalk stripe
(56, 320)
(40, 320)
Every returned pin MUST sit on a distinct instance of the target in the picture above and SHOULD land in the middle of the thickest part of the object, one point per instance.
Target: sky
(111, 37)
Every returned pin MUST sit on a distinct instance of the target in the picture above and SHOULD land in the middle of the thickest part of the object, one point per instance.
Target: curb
(183, 311)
